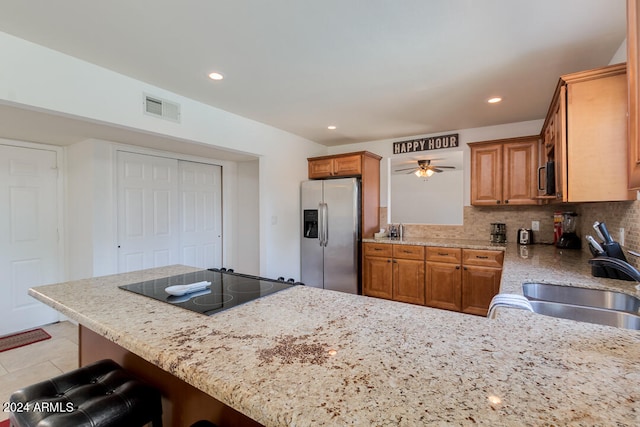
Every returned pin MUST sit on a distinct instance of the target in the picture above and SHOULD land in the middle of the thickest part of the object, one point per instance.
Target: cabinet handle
(441, 254)
(377, 249)
(465, 268)
(395, 261)
(482, 256)
(457, 267)
(497, 202)
(506, 202)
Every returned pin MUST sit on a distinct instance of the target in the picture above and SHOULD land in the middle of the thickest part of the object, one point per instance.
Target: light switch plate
(535, 225)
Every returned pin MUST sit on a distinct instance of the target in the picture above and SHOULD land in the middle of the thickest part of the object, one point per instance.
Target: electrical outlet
(535, 225)
(621, 236)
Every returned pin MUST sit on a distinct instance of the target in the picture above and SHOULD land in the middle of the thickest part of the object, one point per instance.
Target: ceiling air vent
(162, 108)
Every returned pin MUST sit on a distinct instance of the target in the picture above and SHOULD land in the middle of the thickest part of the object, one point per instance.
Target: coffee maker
(569, 239)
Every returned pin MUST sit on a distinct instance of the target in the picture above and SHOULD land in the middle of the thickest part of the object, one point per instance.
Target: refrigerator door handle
(321, 223)
(325, 226)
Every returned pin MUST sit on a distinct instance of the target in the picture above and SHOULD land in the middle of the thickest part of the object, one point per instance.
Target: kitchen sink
(597, 298)
(580, 313)
(584, 305)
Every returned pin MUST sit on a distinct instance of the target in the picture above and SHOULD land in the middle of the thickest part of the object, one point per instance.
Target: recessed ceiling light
(216, 76)
(331, 127)
(494, 100)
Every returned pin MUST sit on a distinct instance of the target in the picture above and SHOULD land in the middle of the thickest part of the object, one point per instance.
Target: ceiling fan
(425, 169)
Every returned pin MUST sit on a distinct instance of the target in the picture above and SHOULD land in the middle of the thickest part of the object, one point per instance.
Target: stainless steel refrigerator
(329, 245)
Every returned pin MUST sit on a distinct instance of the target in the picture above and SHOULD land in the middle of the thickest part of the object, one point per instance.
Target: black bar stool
(101, 394)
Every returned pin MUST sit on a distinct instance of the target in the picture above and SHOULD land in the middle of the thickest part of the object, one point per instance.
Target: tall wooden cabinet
(585, 135)
(364, 165)
(504, 171)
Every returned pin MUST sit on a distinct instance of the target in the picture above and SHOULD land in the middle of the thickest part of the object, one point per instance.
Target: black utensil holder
(612, 250)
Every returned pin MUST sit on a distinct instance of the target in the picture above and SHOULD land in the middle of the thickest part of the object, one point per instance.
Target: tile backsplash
(477, 222)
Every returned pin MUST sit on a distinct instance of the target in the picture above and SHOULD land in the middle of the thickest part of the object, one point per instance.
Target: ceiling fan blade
(446, 167)
(406, 169)
(411, 171)
(436, 170)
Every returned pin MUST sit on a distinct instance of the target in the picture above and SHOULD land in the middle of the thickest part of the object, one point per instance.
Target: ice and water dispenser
(310, 218)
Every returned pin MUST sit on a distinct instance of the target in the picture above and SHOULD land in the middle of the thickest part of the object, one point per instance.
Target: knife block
(612, 250)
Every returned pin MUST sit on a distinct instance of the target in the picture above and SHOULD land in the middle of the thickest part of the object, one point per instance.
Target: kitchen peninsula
(307, 356)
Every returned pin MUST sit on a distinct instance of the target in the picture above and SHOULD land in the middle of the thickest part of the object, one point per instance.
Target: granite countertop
(394, 363)
(445, 243)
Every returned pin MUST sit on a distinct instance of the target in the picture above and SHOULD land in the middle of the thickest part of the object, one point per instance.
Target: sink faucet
(619, 265)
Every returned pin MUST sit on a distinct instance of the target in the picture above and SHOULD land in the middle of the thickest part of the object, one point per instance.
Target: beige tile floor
(36, 362)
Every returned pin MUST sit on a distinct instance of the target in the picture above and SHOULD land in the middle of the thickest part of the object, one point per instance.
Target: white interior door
(169, 212)
(147, 211)
(200, 214)
(29, 246)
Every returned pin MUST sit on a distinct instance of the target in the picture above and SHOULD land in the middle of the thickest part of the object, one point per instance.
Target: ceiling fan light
(423, 173)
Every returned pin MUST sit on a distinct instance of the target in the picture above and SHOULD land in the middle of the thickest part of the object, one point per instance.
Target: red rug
(4, 423)
(21, 339)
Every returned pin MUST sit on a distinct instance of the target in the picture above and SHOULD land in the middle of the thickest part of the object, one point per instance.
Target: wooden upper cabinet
(504, 171)
(486, 174)
(335, 166)
(554, 146)
(588, 120)
(520, 163)
(633, 80)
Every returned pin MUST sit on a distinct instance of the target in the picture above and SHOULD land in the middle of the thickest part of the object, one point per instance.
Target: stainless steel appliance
(223, 290)
(329, 245)
(525, 236)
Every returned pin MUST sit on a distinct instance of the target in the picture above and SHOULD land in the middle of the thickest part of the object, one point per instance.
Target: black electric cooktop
(226, 290)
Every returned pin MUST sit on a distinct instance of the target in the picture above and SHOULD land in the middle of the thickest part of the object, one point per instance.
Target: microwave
(548, 186)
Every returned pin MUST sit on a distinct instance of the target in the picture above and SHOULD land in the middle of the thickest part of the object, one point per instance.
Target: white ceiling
(376, 69)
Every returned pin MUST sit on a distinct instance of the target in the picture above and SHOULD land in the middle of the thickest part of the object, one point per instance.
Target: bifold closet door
(169, 212)
(200, 194)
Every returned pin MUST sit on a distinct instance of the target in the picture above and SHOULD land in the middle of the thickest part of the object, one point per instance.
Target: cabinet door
(486, 175)
(479, 286)
(597, 137)
(520, 167)
(633, 78)
(443, 285)
(347, 166)
(377, 275)
(321, 168)
(560, 144)
(408, 281)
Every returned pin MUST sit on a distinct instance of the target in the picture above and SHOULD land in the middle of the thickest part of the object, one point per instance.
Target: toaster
(525, 236)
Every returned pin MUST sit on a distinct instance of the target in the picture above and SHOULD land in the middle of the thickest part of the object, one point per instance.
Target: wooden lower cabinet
(394, 272)
(444, 278)
(408, 281)
(479, 285)
(444, 286)
(377, 277)
(463, 280)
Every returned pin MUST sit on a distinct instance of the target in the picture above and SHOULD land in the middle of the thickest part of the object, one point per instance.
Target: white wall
(384, 148)
(36, 77)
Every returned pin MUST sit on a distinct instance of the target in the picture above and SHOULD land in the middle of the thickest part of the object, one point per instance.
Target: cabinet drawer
(450, 255)
(378, 249)
(482, 257)
(408, 252)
